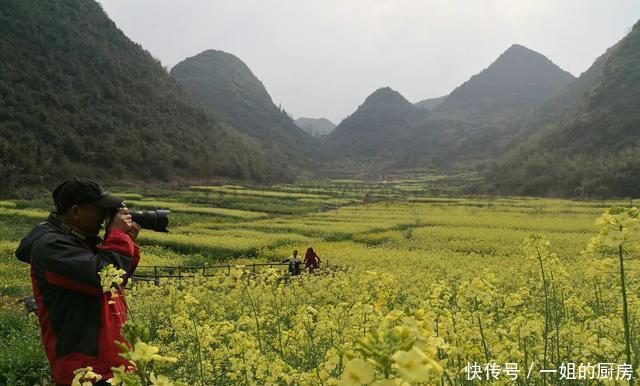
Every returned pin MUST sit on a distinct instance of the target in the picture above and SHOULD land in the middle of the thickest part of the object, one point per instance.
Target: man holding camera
(79, 322)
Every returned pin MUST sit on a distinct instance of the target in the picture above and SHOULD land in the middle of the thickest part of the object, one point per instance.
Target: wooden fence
(154, 273)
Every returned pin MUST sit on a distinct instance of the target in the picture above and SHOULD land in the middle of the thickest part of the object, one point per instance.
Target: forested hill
(78, 97)
(380, 112)
(366, 134)
(430, 103)
(464, 131)
(594, 150)
(227, 88)
(317, 127)
(571, 97)
(518, 81)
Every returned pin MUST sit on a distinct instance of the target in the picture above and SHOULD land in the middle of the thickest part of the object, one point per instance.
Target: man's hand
(135, 229)
(122, 220)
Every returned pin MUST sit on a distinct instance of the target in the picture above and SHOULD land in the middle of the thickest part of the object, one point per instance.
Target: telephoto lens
(155, 220)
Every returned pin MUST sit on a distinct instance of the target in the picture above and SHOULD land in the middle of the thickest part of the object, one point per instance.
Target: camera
(156, 220)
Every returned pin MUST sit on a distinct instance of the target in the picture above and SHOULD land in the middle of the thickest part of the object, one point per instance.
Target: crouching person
(79, 322)
(294, 264)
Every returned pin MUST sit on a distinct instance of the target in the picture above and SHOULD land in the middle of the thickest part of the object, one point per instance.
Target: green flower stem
(546, 312)
(197, 342)
(625, 311)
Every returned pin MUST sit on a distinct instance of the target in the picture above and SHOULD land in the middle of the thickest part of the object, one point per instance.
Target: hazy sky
(321, 58)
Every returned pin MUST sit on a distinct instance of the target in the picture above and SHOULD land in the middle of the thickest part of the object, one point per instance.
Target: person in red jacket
(79, 322)
(311, 260)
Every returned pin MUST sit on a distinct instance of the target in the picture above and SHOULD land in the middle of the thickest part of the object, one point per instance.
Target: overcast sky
(322, 58)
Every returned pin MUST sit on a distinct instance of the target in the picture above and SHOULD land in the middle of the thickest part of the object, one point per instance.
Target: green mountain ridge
(77, 97)
(317, 127)
(574, 94)
(430, 103)
(366, 134)
(518, 81)
(592, 150)
(380, 111)
(226, 87)
(463, 131)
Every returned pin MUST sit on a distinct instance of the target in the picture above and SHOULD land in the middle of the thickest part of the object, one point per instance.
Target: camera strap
(55, 221)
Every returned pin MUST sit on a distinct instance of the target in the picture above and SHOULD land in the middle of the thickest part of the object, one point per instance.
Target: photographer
(79, 322)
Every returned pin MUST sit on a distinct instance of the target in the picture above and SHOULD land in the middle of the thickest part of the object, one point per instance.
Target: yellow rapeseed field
(426, 291)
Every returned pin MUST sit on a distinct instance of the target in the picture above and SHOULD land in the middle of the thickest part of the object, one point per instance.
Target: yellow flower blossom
(146, 353)
(110, 280)
(160, 380)
(414, 365)
(357, 372)
(85, 377)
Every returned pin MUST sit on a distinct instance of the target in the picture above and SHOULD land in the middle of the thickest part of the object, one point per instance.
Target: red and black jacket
(78, 324)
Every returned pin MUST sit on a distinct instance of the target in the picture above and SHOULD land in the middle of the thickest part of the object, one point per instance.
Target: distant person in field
(294, 263)
(79, 322)
(311, 260)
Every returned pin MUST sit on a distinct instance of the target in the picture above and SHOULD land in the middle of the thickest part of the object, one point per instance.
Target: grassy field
(425, 285)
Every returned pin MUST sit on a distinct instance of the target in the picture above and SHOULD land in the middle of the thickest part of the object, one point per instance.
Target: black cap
(77, 190)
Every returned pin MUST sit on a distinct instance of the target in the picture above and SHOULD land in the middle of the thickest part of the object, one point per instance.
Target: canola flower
(144, 352)
(160, 380)
(111, 280)
(620, 229)
(451, 275)
(381, 328)
(414, 366)
(85, 377)
(617, 227)
(142, 356)
(357, 372)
